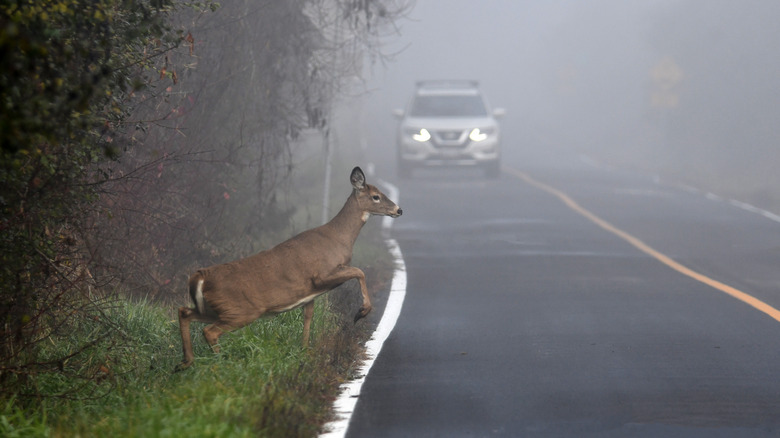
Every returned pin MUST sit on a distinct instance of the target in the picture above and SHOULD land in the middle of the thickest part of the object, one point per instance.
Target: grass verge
(263, 383)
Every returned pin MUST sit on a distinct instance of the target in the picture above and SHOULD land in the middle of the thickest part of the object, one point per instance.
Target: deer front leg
(308, 312)
(366, 307)
(346, 273)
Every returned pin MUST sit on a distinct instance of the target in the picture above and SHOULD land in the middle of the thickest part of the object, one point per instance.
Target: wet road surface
(525, 318)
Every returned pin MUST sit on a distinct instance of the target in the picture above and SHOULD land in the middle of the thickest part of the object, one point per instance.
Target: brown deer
(285, 277)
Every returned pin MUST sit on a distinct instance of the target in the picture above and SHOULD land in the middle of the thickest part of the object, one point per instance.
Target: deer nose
(399, 211)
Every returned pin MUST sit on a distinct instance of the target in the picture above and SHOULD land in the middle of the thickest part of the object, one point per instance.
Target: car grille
(450, 138)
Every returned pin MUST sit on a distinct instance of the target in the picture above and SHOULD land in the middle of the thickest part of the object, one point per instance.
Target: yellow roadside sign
(666, 75)
(661, 99)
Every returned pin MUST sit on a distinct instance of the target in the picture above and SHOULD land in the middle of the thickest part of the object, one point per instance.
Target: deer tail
(196, 292)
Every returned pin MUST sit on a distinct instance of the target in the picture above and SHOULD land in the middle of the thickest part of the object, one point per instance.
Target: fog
(681, 87)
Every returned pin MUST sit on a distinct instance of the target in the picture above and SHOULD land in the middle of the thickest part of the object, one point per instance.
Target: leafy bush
(140, 139)
(68, 69)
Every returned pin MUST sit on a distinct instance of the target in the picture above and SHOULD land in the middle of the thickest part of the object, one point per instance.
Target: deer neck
(349, 221)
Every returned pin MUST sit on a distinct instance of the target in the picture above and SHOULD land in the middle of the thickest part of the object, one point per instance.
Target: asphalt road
(525, 318)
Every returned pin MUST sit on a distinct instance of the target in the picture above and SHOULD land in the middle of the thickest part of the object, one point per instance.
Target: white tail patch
(199, 297)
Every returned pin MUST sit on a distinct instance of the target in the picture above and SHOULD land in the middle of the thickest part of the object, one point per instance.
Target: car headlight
(421, 135)
(478, 134)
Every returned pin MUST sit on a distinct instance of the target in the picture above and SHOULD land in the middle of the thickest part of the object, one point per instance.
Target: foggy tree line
(718, 130)
(726, 121)
(142, 139)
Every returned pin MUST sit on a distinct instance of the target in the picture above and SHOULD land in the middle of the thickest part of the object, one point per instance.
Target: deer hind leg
(212, 332)
(186, 316)
(225, 324)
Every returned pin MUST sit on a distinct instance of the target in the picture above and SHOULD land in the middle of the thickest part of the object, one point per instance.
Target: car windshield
(448, 106)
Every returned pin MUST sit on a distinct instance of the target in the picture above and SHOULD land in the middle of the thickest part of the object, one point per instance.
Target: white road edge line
(690, 189)
(344, 405)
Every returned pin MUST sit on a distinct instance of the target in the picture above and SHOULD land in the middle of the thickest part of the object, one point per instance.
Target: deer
(288, 276)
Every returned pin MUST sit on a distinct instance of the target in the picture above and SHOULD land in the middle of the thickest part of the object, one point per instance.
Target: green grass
(263, 383)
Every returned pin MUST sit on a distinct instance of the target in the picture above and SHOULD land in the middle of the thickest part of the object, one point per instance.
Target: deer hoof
(362, 313)
(182, 366)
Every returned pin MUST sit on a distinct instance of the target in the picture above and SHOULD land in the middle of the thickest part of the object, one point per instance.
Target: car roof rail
(448, 83)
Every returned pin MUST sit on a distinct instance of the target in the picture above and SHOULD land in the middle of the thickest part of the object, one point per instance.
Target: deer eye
(376, 198)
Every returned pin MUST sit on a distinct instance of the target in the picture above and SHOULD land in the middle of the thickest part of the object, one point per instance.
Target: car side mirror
(499, 112)
(398, 113)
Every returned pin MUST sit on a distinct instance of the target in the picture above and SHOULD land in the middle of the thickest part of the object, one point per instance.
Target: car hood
(448, 122)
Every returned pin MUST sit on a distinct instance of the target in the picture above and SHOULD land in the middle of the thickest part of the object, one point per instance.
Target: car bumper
(426, 154)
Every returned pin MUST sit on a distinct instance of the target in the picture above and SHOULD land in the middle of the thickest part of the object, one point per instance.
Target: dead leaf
(191, 42)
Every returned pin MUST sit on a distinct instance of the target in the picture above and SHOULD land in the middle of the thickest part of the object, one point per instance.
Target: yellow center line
(638, 244)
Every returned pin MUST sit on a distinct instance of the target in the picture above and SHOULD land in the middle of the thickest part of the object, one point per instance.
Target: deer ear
(357, 178)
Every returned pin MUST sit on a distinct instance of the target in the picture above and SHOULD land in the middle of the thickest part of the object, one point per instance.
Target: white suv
(448, 123)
